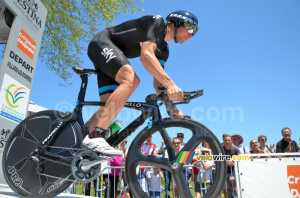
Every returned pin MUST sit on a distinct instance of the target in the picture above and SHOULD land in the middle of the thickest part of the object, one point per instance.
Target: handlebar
(187, 97)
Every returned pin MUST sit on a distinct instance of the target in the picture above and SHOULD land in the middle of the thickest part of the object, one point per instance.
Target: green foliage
(71, 24)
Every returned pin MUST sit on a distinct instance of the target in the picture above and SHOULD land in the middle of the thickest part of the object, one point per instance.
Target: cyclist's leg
(115, 77)
(128, 81)
(91, 123)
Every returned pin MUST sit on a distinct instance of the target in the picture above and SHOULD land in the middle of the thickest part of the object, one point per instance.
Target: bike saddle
(81, 71)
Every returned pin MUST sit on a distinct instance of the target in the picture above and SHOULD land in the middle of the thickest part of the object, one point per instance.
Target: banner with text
(270, 177)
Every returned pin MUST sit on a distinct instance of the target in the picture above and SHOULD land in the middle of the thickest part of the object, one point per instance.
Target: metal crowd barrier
(102, 185)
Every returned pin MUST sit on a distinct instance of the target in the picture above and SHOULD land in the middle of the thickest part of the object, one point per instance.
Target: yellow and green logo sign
(14, 94)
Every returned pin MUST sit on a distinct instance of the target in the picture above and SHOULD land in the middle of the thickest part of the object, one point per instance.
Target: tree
(71, 24)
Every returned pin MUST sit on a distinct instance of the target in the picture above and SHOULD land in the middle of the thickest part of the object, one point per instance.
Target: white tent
(34, 108)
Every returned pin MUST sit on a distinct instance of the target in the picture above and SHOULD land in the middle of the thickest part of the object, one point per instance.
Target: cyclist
(147, 38)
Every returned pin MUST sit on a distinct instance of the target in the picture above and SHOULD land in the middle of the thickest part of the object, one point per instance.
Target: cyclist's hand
(175, 93)
(177, 112)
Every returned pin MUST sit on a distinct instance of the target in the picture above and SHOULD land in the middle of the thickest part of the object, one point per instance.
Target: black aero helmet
(185, 19)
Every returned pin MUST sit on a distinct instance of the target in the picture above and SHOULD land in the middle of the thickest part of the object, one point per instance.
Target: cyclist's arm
(177, 112)
(153, 66)
(156, 83)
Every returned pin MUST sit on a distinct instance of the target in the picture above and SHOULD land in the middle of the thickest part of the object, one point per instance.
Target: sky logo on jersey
(185, 157)
(108, 54)
(12, 97)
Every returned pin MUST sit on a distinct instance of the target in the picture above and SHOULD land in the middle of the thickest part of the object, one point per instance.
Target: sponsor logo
(133, 104)
(108, 54)
(14, 98)
(293, 176)
(52, 133)
(26, 44)
(4, 134)
(55, 185)
(178, 15)
(157, 16)
(124, 32)
(14, 176)
(14, 94)
(31, 8)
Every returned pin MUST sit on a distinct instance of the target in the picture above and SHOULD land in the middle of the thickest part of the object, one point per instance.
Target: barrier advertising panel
(271, 177)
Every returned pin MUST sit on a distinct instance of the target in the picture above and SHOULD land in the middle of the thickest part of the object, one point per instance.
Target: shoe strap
(97, 132)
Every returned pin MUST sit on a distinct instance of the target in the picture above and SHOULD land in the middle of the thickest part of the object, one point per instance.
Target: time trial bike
(43, 155)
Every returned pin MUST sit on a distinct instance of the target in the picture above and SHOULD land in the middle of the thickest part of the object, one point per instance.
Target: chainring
(76, 166)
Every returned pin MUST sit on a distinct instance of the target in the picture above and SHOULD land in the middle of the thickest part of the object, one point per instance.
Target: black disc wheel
(44, 179)
(79, 161)
(199, 134)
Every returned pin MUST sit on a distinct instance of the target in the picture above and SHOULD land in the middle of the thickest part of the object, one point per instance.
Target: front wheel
(46, 179)
(173, 163)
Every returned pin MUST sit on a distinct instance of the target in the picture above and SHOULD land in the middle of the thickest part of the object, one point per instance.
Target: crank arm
(87, 165)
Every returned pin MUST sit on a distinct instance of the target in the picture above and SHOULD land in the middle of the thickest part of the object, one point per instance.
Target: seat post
(80, 100)
(84, 82)
(81, 95)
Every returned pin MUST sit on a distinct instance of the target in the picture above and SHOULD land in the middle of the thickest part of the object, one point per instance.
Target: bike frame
(148, 110)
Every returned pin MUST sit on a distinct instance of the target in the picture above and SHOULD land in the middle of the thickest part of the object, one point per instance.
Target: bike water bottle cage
(97, 132)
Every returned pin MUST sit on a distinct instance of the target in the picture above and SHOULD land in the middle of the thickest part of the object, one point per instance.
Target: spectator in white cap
(238, 140)
(203, 178)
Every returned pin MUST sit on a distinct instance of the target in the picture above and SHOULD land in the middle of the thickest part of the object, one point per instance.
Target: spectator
(162, 149)
(254, 148)
(286, 145)
(181, 137)
(187, 171)
(114, 176)
(203, 179)
(206, 145)
(223, 137)
(123, 147)
(176, 146)
(155, 178)
(198, 152)
(262, 139)
(167, 175)
(148, 148)
(231, 150)
(237, 141)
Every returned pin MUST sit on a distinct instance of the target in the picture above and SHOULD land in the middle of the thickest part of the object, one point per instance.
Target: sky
(245, 56)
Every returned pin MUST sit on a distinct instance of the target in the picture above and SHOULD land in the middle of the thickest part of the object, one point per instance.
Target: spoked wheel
(199, 134)
(29, 178)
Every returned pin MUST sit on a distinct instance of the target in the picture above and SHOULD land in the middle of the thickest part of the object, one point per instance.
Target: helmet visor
(191, 26)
